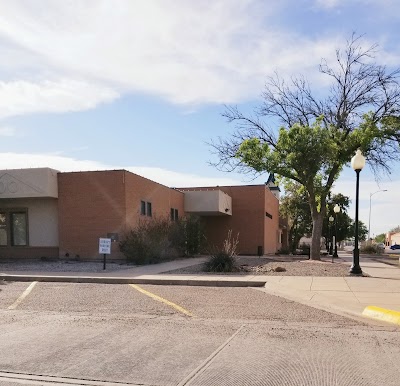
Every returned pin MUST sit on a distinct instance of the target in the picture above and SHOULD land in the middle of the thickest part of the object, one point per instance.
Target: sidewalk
(374, 297)
(350, 295)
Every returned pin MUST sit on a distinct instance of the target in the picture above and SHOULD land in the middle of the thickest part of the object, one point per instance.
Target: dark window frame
(13, 230)
(174, 215)
(9, 212)
(149, 210)
(143, 208)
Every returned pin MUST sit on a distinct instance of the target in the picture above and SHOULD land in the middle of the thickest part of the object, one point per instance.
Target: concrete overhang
(208, 203)
(28, 183)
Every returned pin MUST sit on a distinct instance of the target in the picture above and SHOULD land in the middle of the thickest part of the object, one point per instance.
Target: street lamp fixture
(336, 209)
(357, 163)
(331, 219)
(369, 217)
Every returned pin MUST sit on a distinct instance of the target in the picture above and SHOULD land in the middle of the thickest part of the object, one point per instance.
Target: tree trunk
(317, 219)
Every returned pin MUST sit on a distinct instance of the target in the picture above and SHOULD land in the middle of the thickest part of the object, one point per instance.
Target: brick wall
(271, 226)
(249, 206)
(90, 205)
(162, 199)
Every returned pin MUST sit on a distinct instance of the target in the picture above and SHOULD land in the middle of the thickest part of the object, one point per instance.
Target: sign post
(105, 249)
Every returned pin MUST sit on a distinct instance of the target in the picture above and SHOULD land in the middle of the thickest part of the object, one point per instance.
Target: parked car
(395, 246)
(380, 246)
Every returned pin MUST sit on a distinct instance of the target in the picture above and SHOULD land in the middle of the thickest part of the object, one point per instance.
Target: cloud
(384, 215)
(68, 164)
(7, 131)
(186, 52)
(18, 97)
(328, 4)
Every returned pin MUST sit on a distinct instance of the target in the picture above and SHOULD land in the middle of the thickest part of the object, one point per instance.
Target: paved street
(66, 333)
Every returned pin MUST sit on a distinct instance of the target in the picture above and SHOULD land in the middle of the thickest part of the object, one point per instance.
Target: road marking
(162, 300)
(23, 296)
(382, 314)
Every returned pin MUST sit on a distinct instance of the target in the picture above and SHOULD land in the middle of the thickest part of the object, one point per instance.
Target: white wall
(42, 218)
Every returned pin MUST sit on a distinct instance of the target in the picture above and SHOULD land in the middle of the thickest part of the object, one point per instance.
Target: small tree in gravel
(223, 259)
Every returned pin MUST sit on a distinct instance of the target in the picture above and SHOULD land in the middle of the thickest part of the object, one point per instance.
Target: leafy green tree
(341, 226)
(295, 208)
(380, 238)
(319, 135)
(362, 230)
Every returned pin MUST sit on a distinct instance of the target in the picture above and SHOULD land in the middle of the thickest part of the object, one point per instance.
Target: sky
(141, 85)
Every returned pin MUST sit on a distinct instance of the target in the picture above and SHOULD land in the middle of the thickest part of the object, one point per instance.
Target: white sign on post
(104, 246)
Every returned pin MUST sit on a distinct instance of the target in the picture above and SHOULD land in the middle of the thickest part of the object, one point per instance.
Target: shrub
(223, 259)
(187, 235)
(371, 248)
(283, 251)
(147, 243)
(220, 262)
(157, 239)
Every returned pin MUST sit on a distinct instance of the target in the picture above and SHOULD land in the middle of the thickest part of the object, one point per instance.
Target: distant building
(46, 213)
(392, 238)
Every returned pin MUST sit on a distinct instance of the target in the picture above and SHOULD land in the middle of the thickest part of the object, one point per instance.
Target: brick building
(46, 213)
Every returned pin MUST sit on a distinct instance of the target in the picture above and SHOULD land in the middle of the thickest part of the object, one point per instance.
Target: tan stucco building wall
(33, 192)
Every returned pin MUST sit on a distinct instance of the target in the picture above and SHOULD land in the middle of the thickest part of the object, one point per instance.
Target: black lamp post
(331, 233)
(357, 163)
(336, 209)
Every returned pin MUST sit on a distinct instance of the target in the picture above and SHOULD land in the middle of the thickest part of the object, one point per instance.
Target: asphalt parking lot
(163, 301)
(170, 335)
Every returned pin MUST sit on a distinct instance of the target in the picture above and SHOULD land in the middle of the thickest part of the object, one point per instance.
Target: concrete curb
(223, 282)
(383, 314)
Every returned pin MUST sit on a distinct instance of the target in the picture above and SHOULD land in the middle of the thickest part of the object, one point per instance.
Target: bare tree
(361, 110)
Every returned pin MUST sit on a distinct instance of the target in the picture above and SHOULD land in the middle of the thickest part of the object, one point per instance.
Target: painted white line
(23, 296)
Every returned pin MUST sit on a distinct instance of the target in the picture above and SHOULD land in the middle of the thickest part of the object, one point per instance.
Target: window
(174, 214)
(18, 228)
(145, 208)
(3, 229)
(13, 228)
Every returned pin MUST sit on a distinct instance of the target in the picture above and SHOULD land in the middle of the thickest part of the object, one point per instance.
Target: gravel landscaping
(267, 265)
(277, 266)
(60, 266)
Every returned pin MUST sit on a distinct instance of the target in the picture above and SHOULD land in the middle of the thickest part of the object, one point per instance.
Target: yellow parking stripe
(23, 296)
(382, 314)
(160, 299)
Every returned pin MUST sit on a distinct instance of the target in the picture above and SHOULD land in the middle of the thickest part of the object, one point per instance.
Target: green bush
(187, 235)
(158, 239)
(220, 262)
(223, 259)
